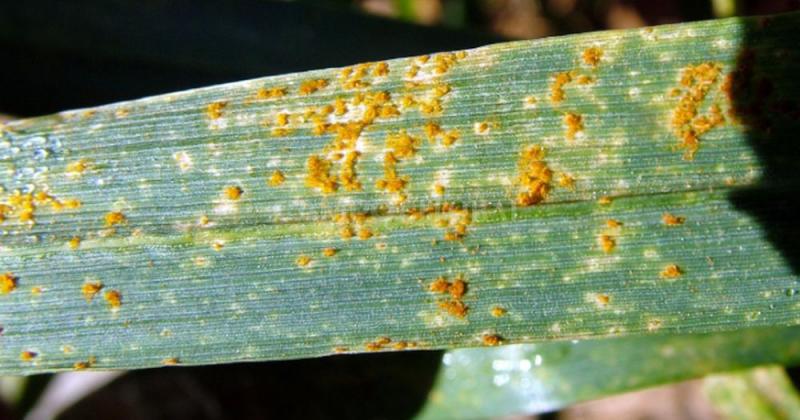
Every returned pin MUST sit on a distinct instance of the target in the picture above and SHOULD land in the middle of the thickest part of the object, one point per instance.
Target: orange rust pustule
(277, 178)
(491, 340)
(113, 298)
(454, 307)
(214, 109)
(271, 93)
(574, 124)
(85, 364)
(90, 289)
(28, 356)
(498, 311)
(602, 299)
(671, 271)
(534, 177)
(458, 288)
(696, 82)
(303, 261)
(171, 361)
(8, 282)
(440, 285)
(592, 56)
(672, 220)
(310, 86)
(557, 94)
(378, 344)
(233, 192)
(607, 243)
(114, 218)
(74, 242)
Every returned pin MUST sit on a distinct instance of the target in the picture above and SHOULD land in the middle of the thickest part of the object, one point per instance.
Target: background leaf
(535, 378)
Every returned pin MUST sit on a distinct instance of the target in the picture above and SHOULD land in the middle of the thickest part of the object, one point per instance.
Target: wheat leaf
(613, 183)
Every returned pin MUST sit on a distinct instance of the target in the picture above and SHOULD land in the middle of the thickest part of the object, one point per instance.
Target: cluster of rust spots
(91, 288)
(354, 77)
(491, 340)
(454, 305)
(453, 217)
(608, 239)
(456, 225)
(401, 146)
(85, 364)
(355, 115)
(435, 133)
(8, 282)
(671, 271)
(672, 220)
(557, 94)
(28, 355)
(353, 225)
(383, 343)
(113, 298)
(310, 86)
(276, 178)
(233, 192)
(534, 177)
(214, 109)
(687, 122)
(271, 93)
(302, 260)
(560, 81)
(24, 206)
